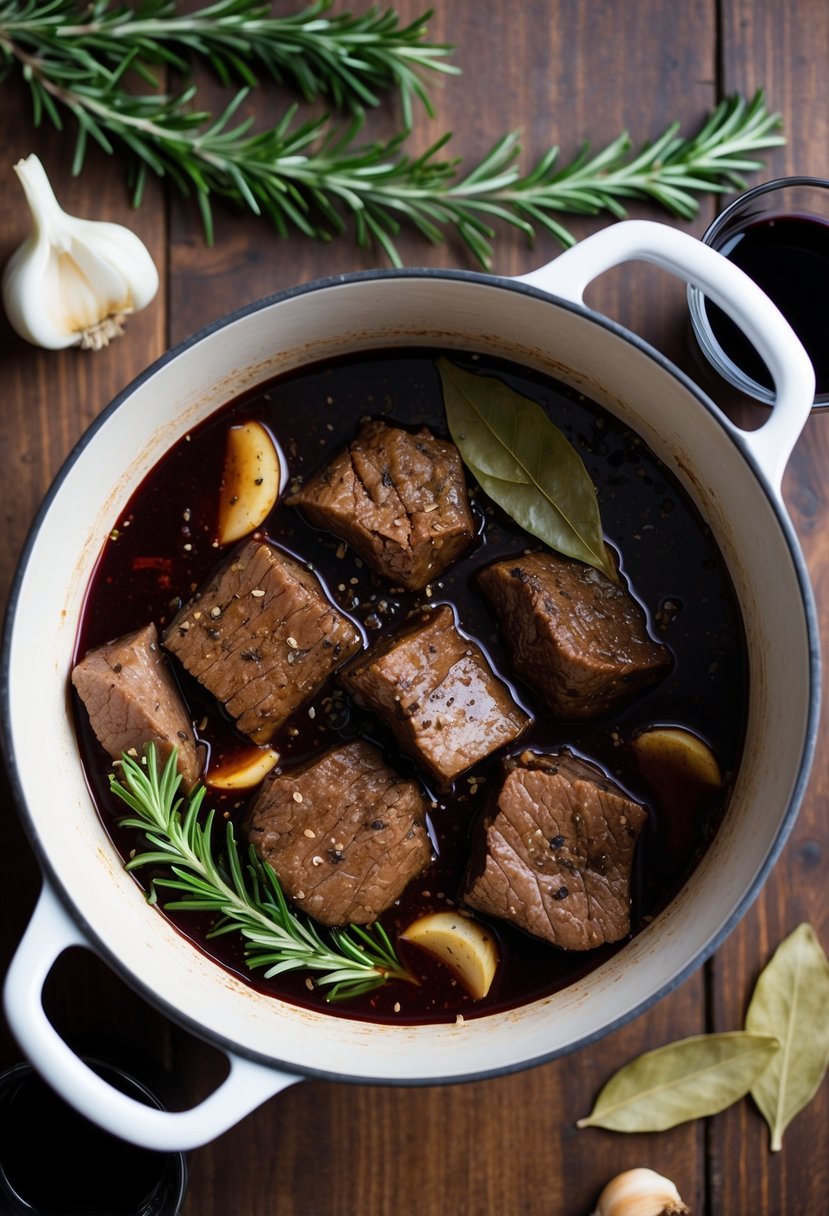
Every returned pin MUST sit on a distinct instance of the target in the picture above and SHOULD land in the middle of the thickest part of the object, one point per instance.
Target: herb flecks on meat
(315, 824)
(132, 699)
(554, 851)
(244, 893)
(262, 637)
(399, 500)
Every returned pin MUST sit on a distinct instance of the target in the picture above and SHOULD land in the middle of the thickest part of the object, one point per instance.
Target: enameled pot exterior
(733, 477)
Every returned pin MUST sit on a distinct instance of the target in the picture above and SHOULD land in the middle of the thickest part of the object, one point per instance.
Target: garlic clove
(245, 772)
(683, 755)
(252, 478)
(461, 942)
(640, 1192)
(73, 282)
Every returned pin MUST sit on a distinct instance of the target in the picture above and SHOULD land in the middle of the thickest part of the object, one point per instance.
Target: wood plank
(783, 48)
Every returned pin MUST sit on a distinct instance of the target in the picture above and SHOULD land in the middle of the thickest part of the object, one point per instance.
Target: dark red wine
(54, 1162)
(788, 256)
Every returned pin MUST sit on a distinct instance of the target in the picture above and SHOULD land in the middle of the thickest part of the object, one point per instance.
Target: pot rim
(733, 435)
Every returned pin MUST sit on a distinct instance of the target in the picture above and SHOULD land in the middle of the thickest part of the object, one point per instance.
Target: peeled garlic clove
(251, 481)
(460, 942)
(640, 1192)
(73, 282)
(244, 772)
(680, 751)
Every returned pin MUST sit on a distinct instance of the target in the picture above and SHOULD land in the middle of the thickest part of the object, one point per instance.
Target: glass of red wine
(778, 233)
(54, 1162)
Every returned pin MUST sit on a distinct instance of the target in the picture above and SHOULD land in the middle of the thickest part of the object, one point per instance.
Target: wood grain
(784, 49)
(562, 72)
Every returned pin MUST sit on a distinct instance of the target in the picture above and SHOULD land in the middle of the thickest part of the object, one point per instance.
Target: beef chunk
(132, 699)
(554, 850)
(437, 693)
(345, 834)
(262, 637)
(398, 499)
(580, 640)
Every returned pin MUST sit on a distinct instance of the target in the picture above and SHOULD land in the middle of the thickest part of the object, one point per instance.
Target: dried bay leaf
(685, 1080)
(791, 1002)
(525, 464)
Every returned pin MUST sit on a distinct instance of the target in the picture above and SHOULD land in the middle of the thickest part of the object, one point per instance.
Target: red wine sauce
(161, 550)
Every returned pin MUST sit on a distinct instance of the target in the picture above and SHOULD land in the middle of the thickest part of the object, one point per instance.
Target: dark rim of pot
(496, 283)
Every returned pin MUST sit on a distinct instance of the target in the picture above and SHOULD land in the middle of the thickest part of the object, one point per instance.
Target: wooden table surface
(562, 71)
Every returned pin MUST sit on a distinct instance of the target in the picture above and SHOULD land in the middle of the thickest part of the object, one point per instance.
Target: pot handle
(48, 934)
(760, 320)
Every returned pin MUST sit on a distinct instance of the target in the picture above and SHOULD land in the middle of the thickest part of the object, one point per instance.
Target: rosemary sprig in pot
(245, 894)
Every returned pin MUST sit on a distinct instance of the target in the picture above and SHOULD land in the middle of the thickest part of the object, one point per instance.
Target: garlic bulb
(72, 282)
(640, 1192)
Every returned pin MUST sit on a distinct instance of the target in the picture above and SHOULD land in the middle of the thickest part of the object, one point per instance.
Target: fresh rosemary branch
(246, 896)
(347, 59)
(314, 178)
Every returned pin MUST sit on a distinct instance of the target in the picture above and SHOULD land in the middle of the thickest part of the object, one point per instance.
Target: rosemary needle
(245, 894)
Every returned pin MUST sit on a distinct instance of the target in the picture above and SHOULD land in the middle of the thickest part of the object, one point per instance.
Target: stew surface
(161, 550)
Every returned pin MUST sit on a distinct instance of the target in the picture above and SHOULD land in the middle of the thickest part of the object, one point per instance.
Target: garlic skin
(73, 282)
(640, 1192)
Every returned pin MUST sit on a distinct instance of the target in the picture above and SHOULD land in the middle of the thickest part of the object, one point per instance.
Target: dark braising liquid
(788, 256)
(162, 552)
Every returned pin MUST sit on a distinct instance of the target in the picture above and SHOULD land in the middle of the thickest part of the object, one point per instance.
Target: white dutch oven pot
(733, 476)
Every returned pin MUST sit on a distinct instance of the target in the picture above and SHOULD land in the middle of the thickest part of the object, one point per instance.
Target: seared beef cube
(580, 640)
(554, 850)
(132, 699)
(398, 499)
(437, 693)
(345, 834)
(262, 637)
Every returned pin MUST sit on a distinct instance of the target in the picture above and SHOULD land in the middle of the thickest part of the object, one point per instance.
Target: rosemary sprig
(347, 59)
(246, 896)
(313, 177)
